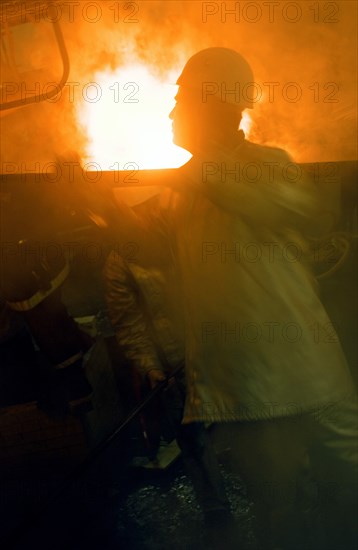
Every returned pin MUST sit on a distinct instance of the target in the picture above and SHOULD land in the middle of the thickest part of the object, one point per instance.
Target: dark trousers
(197, 450)
(301, 474)
(203, 467)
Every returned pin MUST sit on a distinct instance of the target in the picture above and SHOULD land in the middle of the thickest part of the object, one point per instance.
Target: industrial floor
(112, 507)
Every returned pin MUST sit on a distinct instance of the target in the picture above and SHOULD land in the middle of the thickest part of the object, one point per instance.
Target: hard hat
(222, 73)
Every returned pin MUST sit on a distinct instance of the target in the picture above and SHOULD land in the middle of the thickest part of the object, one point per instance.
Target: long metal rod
(138, 409)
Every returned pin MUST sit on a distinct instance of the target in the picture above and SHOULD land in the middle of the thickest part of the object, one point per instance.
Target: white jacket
(259, 343)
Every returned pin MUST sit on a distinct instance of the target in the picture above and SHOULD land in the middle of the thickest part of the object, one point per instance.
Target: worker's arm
(128, 319)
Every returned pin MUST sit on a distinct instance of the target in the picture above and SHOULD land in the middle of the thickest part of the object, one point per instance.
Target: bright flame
(126, 118)
(128, 125)
(246, 124)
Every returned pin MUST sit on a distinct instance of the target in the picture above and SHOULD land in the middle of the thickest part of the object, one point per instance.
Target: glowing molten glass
(126, 119)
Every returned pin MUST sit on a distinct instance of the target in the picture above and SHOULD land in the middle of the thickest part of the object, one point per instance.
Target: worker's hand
(155, 376)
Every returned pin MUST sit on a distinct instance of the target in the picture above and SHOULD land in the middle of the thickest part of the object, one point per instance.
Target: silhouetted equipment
(13, 14)
(35, 515)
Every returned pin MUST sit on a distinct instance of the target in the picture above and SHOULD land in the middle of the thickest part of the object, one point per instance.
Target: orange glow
(126, 118)
(246, 124)
(129, 126)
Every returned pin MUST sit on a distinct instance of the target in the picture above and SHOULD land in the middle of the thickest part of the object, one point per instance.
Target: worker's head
(215, 86)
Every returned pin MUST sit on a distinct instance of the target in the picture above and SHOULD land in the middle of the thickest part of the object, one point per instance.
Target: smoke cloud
(303, 55)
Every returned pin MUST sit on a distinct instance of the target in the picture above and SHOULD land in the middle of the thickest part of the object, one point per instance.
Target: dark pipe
(66, 72)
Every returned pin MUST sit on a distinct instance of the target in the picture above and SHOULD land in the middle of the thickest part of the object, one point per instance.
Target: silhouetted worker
(262, 358)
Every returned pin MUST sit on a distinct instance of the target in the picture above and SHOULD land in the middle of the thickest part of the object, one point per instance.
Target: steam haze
(302, 47)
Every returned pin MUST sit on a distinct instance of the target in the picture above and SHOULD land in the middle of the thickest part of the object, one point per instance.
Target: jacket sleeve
(127, 317)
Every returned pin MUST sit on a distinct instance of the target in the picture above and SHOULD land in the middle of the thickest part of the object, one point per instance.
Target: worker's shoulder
(266, 153)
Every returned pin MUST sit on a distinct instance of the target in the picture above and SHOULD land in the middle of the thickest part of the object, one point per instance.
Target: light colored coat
(259, 343)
